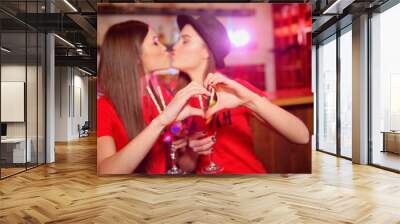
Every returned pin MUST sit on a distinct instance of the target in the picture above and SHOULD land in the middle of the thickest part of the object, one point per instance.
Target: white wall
(67, 80)
(33, 127)
(61, 103)
(12, 73)
(82, 84)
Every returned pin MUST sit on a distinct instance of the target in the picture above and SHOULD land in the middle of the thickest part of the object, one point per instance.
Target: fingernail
(213, 138)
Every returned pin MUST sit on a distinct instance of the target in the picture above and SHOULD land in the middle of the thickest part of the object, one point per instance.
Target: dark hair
(121, 72)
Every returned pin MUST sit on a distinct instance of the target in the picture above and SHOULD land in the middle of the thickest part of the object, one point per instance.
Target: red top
(110, 124)
(234, 146)
(233, 149)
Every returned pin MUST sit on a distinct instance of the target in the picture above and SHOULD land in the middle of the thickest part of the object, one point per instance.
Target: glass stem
(173, 158)
(210, 156)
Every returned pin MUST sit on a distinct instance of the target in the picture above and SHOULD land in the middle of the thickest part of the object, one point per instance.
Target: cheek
(148, 58)
(189, 50)
(160, 53)
(187, 55)
(150, 54)
(155, 58)
(153, 52)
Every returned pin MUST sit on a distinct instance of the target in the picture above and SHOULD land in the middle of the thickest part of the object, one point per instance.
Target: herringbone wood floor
(70, 192)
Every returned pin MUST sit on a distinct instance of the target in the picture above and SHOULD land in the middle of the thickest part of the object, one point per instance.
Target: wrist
(258, 103)
(253, 101)
(250, 98)
(159, 121)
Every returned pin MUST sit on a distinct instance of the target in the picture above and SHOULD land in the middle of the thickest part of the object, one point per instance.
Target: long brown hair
(121, 72)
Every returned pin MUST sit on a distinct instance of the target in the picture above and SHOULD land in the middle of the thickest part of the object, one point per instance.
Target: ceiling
(79, 27)
(76, 24)
(330, 15)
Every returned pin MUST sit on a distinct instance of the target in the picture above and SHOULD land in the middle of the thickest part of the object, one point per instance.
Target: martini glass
(212, 167)
(177, 131)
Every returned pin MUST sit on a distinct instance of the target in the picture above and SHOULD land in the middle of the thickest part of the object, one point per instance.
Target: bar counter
(277, 153)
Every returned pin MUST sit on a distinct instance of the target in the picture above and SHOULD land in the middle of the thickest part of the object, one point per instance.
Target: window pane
(385, 89)
(327, 97)
(14, 153)
(31, 100)
(22, 87)
(41, 98)
(346, 94)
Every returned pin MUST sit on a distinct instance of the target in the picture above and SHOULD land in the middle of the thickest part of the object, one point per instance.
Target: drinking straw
(161, 97)
(201, 102)
(153, 98)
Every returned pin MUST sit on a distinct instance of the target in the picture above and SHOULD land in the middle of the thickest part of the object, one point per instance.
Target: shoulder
(104, 105)
(103, 101)
(105, 117)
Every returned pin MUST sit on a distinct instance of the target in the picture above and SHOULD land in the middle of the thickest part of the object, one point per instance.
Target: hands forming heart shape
(229, 93)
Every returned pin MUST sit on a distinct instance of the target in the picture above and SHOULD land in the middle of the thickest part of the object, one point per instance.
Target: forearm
(284, 122)
(129, 157)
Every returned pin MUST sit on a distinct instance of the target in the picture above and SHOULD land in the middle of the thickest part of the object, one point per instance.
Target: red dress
(234, 146)
(110, 124)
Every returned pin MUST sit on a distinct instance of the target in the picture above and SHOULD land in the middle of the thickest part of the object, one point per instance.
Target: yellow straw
(211, 102)
(201, 102)
(161, 97)
(154, 99)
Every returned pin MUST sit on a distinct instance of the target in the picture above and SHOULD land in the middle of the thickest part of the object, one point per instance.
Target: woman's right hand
(178, 109)
(201, 144)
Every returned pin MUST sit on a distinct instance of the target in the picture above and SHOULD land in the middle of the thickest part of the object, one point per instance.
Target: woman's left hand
(230, 94)
(201, 144)
(233, 94)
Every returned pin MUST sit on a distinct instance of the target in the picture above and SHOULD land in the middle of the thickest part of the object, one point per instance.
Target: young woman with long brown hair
(129, 126)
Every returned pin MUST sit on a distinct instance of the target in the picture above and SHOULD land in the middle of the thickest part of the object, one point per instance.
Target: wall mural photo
(204, 89)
